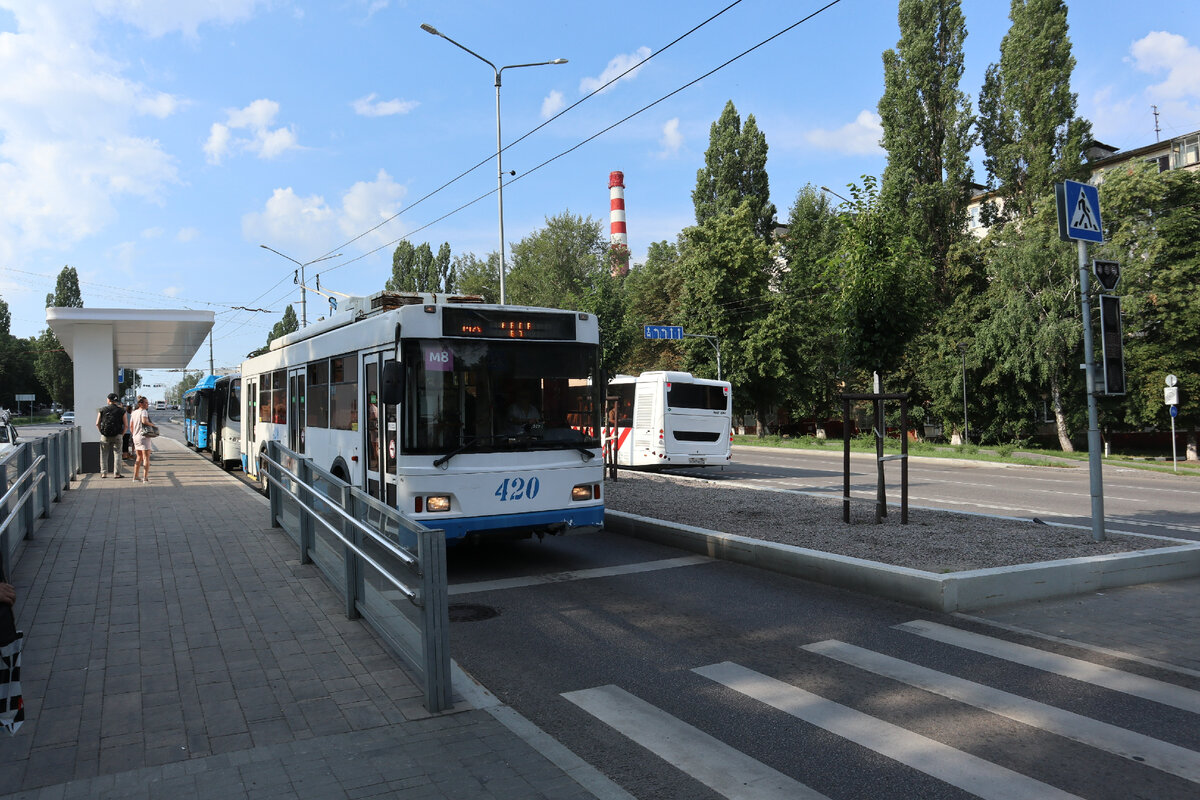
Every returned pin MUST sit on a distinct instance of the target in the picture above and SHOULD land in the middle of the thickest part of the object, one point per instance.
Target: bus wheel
(264, 485)
(217, 457)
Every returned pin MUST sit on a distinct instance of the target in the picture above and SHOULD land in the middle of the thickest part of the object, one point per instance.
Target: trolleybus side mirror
(393, 383)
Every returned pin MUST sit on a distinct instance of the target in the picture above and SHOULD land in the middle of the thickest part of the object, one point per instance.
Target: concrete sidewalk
(176, 648)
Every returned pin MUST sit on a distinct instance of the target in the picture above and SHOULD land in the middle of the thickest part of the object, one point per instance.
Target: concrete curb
(971, 590)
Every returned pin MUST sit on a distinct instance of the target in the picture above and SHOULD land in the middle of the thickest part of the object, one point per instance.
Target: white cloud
(309, 225)
(671, 139)
(1158, 52)
(367, 107)
(860, 137)
(70, 144)
(187, 235)
(262, 141)
(615, 67)
(160, 17)
(553, 104)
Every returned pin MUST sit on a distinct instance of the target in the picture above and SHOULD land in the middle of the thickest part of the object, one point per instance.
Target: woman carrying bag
(143, 430)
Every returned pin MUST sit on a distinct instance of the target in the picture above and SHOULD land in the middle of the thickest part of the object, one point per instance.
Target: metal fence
(33, 475)
(390, 570)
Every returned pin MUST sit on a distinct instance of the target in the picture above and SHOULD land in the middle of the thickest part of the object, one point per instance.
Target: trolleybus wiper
(462, 448)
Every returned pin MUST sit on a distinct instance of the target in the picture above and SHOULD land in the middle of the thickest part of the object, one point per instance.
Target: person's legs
(137, 465)
(145, 466)
(106, 453)
(114, 444)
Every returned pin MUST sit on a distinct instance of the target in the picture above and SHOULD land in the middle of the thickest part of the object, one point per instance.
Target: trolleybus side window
(318, 394)
(234, 412)
(343, 393)
(279, 397)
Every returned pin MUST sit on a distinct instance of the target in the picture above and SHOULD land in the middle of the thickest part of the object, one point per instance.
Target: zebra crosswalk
(733, 774)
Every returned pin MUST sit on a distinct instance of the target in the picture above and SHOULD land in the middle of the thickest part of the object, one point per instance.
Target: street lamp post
(303, 299)
(962, 349)
(827, 190)
(499, 165)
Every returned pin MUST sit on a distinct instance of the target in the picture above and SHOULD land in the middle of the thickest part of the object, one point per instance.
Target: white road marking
(727, 771)
(576, 575)
(967, 772)
(1107, 677)
(1128, 744)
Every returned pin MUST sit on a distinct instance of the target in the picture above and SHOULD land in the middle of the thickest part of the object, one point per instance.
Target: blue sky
(154, 145)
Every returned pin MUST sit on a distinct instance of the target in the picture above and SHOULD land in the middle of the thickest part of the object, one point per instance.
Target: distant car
(8, 438)
(67, 418)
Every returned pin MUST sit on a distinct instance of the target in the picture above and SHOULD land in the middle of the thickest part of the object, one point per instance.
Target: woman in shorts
(141, 442)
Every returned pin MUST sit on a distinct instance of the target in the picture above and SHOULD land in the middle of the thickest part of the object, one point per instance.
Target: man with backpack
(111, 423)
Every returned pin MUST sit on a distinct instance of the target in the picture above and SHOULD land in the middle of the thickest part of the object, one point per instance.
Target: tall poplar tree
(927, 132)
(1027, 124)
(735, 170)
(53, 365)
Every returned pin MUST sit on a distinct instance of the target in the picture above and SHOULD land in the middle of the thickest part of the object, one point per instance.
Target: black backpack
(112, 420)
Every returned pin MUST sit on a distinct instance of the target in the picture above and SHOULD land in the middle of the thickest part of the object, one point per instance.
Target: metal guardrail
(390, 570)
(33, 476)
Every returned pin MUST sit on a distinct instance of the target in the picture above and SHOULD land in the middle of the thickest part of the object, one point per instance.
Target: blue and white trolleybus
(481, 420)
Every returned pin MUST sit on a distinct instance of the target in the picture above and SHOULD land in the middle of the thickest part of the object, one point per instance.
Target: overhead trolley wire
(580, 144)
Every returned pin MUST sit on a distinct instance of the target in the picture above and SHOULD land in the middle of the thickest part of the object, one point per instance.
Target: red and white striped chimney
(616, 203)
(618, 246)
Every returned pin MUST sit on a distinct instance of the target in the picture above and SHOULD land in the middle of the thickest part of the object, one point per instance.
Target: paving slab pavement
(176, 648)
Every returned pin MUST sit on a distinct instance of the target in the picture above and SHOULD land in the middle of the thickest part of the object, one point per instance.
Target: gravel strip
(934, 541)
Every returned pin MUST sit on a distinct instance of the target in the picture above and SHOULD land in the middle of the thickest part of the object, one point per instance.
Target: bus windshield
(496, 396)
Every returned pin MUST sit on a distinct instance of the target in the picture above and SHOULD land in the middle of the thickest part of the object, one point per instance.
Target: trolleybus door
(250, 426)
(379, 430)
(297, 382)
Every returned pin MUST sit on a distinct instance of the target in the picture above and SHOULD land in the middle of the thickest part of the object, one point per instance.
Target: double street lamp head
(499, 148)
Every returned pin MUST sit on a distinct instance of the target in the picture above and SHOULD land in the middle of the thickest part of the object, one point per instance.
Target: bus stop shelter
(101, 340)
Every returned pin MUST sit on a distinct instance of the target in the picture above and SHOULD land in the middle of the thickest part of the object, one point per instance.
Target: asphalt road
(681, 677)
(1134, 500)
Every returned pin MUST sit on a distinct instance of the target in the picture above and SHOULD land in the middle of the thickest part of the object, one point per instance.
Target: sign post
(676, 332)
(1078, 206)
(1171, 398)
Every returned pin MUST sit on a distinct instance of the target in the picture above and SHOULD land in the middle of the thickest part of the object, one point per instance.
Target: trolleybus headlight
(437, 502)
(586, 491)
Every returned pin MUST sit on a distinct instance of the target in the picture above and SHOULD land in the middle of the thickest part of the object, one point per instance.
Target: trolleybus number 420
(518, 489)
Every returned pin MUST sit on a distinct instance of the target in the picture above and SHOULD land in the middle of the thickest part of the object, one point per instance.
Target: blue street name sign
(664, 332)
(1078, 212)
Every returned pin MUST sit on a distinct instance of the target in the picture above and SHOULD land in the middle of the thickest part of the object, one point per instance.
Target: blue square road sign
(1079, 212)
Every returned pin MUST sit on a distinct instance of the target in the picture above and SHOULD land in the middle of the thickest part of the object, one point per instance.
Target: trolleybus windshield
(497, 396)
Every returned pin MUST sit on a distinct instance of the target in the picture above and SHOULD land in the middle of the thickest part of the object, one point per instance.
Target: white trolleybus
(481, 420)
(668, 419)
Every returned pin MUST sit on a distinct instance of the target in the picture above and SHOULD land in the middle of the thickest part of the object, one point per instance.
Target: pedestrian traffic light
(1108, 273)
(1110, 338)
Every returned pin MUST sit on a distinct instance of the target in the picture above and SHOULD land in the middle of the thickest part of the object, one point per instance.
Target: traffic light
(1108, 273)
(1110, 338)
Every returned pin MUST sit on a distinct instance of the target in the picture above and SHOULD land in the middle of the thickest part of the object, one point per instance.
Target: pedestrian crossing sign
(1078, 212)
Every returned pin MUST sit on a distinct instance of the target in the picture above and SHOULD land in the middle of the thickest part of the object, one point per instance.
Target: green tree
(652, 294)
(555, 266)
(1027, 124)
(927, 130)
(726, 268)
(801, 310)
(417, 269)
(52, 364)
(1033, 334)
(735, 170)
(1154, 232)
(883, 284)
(473, 276)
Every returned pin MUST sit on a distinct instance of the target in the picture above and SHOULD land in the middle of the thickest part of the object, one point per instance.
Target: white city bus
(669, 419)
(411, 397)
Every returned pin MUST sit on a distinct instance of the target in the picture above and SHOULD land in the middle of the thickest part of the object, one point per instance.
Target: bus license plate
(694, 460)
